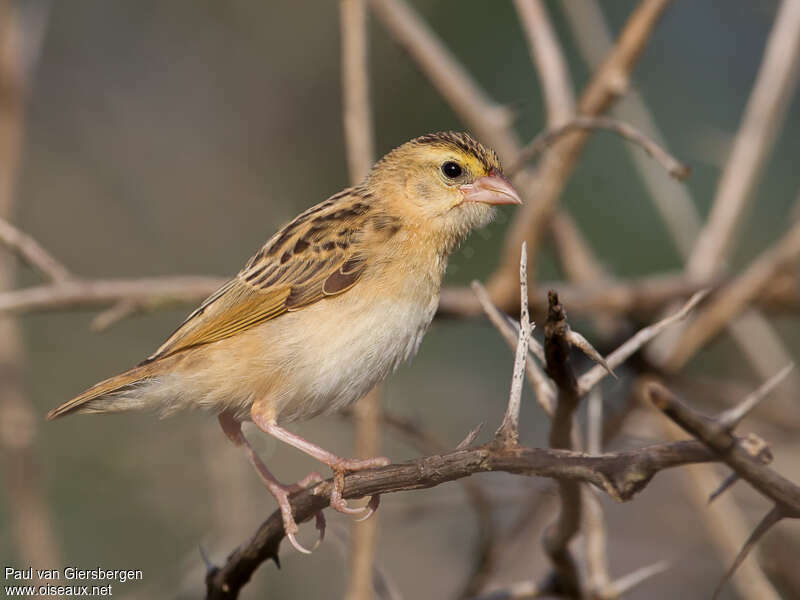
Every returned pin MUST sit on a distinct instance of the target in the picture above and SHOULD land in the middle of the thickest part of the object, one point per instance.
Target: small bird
(326, 309)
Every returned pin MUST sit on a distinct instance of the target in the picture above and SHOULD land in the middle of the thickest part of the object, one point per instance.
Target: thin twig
(725, 521)
(734, 415)
(79, 293)
(765, 111)
(508, 433)
(551, 66)
(594, 538)
(628, 582)
(542, 387)
(487, 545)
(592, 377)
(673, 201)
(546, 139)
(735, 298)
(114, 314)
(32, 252)
(770, 519)
(594, 520)
(617, 297)
(363, 537)
(558, 164)
(490, 121)
(355, 89)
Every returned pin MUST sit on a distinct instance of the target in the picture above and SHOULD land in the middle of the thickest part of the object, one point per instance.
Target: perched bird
(331, 304)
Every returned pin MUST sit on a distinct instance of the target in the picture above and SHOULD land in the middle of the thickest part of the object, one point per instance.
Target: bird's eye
(451, 169)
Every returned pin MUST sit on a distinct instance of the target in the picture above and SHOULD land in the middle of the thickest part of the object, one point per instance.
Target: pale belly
(316, 360)
(343, 359)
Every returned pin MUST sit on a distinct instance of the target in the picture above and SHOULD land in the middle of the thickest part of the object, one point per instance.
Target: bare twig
(734, 415)
(489, 120)
(592, 377)
(672, 200)
(626, 583)
(471, 436)
(31, 252)
(114, 314)
(355, 89)
(620, 474)
(770, 519)
(735, 297)
(487, 546)
(574, 254)
(594, 535)
(363, 536)
(594, 520)
(558, 164)
(545, 139)
(725, 521)
(508, 433)
(634, 297)
(524, 590)
(78, 293)
(741, 455)
(763, 116)
(772, 485)
(542, 387)
(549, 59)
(466, 98)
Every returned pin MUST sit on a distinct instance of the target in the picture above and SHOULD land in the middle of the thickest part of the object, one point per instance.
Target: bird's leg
(233, 430)
(338, 464)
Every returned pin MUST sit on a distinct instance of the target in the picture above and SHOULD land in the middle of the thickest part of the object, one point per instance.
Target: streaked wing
(314, 256)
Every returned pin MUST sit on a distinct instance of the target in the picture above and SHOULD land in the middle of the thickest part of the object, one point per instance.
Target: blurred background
(175, 138)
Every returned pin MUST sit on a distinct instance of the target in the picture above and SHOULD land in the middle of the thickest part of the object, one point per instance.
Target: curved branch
(620, 474)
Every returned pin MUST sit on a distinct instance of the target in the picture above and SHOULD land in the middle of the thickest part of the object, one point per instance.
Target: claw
(296, 544)
(320, 525)
(337, 502)
(341, 506)
(372, 506)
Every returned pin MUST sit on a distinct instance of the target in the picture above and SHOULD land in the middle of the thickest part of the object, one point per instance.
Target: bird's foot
(290, 526)
(340, 466)
(281, 494)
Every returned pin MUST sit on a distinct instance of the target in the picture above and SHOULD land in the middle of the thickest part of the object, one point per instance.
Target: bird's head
(447, 182)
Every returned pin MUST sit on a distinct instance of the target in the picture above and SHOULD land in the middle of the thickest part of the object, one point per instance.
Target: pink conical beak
(491, 189)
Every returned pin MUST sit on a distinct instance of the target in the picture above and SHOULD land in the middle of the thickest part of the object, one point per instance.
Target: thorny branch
(745, 455)
(619, 474)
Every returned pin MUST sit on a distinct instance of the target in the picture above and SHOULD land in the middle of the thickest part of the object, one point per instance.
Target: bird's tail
(116, 394)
